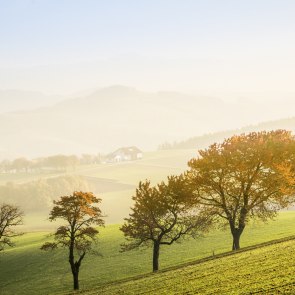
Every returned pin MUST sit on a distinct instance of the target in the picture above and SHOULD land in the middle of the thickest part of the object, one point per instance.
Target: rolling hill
(103, 121)
(25, 270)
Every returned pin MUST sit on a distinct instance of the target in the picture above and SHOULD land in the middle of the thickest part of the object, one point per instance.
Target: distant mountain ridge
(118, 116)
(101, 122)
(12, 100)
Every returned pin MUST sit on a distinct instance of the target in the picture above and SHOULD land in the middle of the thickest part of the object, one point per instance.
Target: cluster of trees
(38, 195)
(247, 176)
(55, 163)
(201, 141)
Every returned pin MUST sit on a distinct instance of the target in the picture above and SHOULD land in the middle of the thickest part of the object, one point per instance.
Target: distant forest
(52, 163)
(37, 196)
(203, 141)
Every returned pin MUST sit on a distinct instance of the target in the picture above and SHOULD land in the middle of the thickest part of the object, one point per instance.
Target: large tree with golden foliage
(80, 211)
(246, 176)
(162, 215)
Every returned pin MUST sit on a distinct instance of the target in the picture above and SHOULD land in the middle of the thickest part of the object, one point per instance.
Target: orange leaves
(80, 210)
(76, 206)
(247, 176)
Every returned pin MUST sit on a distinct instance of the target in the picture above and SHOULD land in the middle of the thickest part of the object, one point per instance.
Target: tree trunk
(76, 280)
(236, 240)
(237, 230)
(74, 266)
(75, 273)
(156, 251)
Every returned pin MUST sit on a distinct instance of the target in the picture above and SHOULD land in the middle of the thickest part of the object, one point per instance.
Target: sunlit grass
(26, 270)
(265, 270)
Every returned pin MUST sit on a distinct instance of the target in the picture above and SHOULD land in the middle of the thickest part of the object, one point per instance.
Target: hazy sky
(232, 48)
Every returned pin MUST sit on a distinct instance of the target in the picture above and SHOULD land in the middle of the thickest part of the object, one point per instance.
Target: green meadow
(263, 270)
(114, 183)
(27, 270)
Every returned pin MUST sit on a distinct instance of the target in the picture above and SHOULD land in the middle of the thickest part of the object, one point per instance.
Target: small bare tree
(10, 216)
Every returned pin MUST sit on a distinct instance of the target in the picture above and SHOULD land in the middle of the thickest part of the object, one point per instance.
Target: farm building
(125, 154)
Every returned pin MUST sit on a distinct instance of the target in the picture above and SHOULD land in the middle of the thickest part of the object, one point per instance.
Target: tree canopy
(161, 215)
(80, 211)
(246, 176)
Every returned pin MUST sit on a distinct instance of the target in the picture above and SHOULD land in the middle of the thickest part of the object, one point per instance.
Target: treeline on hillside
(39, 195)
(51, 163)
(199, 142)
(244, 177)
(205, 140)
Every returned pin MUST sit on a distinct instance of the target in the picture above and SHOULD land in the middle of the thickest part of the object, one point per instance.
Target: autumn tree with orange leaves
(162, 215)
(80, 211)
(246, 176)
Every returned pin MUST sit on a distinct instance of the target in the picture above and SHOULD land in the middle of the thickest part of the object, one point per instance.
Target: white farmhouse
(125, 154)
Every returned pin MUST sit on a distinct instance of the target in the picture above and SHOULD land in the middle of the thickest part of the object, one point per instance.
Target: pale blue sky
(54, 31)
(224, 37)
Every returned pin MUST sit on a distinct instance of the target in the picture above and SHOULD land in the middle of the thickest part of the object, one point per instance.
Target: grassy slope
(26, 270)
(266, 270)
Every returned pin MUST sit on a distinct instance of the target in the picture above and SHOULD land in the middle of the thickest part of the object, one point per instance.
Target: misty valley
(147, 147)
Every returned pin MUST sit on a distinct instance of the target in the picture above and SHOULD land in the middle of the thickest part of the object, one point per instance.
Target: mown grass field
(27, 270)
(265, 270)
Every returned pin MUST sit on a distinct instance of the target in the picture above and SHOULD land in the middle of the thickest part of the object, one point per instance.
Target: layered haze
(116, 116)
(85, 78)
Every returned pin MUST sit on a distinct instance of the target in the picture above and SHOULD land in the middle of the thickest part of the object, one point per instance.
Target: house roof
(131, 150)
